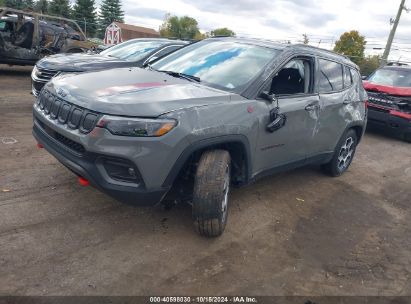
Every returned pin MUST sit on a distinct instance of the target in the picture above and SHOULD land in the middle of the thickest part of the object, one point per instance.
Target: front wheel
(211, 190)
(343, 154)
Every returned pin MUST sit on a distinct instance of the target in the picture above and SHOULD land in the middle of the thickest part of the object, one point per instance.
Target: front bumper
(382, 118)
(89, 166)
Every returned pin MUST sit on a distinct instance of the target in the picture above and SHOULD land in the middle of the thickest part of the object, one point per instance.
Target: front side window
(132, 50)
(293, 78)
(229, 65)
(330, 78)
(392, 77)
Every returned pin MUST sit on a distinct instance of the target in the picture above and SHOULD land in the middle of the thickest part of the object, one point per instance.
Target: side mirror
(364, 77)
(277, 120)
(267, 96)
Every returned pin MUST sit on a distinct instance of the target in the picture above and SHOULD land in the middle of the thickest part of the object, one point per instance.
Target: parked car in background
(26, 37)
(389, 95)
(219, 113)
(132, 53)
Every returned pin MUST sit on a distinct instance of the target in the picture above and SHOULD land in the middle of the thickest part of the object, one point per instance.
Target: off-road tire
(210, 195)
(335, 167)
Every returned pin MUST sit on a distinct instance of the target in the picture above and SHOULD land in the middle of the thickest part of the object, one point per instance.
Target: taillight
(366, 103)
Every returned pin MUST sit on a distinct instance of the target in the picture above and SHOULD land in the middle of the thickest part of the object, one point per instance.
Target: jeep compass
(214, 115)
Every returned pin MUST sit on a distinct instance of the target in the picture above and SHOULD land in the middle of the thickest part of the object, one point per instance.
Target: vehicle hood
(81, 62)
(397, 91)
(134, 92)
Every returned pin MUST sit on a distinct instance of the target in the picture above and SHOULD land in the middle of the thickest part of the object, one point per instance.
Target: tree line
(93, 22)
(186, 27)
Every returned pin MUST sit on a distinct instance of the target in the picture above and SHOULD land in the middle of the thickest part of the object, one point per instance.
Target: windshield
(391, 77)
(229, 65)
(132, 50)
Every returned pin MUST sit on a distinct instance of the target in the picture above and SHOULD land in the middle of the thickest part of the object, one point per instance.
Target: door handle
(347, 102)
(311, 107)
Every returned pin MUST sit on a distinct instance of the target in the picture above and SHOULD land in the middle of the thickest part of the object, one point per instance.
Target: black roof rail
(324, 50)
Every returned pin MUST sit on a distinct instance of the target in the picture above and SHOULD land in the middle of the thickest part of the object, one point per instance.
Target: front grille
(67, 142)
(66, 113)
(70, 143)
(45, 74)
(402, 103)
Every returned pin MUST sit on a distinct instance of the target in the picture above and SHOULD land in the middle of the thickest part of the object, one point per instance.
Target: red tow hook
(40, 146)
(82, 181)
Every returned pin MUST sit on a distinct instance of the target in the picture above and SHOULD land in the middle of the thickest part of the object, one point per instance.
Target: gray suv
(217, 114)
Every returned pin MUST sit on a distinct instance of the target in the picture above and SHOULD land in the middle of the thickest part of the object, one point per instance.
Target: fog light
(121, 170)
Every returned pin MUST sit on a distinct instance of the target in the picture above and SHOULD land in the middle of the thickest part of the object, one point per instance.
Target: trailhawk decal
(130, 88)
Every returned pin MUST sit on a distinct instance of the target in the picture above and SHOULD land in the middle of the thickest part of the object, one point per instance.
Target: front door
(294, 100)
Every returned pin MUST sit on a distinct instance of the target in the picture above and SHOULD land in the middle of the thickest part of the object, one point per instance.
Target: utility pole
(392, 34)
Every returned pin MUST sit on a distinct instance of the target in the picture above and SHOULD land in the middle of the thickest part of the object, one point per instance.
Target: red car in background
(389, 96)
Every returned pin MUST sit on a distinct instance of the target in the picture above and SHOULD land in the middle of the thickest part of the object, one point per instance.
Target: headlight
(136, 127)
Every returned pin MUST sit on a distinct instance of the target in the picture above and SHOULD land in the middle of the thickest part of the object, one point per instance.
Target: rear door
(336, 91)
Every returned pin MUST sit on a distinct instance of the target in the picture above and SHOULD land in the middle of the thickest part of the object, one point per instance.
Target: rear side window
(330, 77)
(347, 77)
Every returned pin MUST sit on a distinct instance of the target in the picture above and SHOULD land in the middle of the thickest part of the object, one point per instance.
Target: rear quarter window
(347, 77)
(330, 78)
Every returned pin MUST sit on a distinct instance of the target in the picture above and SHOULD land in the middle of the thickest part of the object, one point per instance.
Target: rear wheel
(211, 191)
(343, 154)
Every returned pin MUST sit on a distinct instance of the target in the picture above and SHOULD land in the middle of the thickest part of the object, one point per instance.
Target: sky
(322, 20)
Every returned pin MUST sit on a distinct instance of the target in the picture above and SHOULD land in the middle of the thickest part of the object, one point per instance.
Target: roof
(136, 28)
(255, 41)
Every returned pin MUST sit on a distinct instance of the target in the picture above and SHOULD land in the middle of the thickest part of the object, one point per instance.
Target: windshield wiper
(181, 75)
